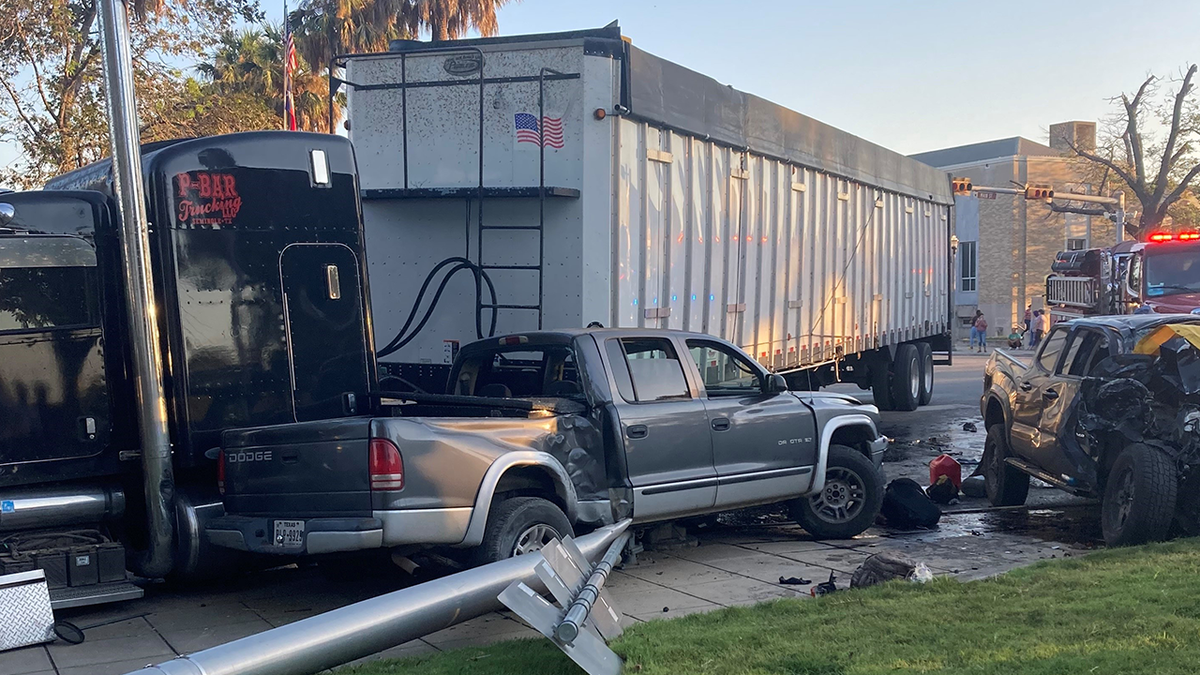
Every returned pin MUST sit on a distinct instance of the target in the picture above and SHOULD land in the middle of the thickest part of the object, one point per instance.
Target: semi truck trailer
(560, 180)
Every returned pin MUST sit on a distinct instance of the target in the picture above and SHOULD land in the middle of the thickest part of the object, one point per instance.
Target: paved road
(724, 566)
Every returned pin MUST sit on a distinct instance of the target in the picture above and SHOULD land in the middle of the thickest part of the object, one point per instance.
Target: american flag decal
(526, 127)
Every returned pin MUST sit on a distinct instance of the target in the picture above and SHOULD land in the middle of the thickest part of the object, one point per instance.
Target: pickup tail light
(386, 465)
(221, 473)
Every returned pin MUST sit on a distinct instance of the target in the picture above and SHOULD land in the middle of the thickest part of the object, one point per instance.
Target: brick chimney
(1080, 134)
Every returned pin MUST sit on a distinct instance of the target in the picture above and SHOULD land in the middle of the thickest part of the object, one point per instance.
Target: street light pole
(157, 472)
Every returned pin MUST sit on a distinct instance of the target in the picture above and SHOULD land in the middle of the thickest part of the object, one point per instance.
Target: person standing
(978, 332)
(1041, 325)
(1028, 317)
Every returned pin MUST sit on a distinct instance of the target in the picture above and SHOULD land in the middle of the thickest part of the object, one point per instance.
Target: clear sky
(912, 76)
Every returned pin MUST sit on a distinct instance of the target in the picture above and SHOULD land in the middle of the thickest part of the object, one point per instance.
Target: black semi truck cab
(256, 251)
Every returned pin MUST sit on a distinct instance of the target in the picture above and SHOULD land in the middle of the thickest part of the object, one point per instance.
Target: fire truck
(1161, 275)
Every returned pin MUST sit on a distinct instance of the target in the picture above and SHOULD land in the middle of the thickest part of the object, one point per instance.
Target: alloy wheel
(842, 498)
(534, 538)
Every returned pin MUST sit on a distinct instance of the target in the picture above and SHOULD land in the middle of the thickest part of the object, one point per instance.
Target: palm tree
(326, 28)
(251, 62)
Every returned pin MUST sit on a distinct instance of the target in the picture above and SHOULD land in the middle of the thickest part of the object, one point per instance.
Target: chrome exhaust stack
(158, 479)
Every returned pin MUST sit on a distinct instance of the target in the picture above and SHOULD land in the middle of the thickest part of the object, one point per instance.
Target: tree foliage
(326, 28)
(51, 85)
(1151, 147)
(250, 63)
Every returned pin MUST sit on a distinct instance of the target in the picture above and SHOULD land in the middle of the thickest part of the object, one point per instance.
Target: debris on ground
(906, 506)
(970, 426)
(825, 587)
(974, 486)
(943, 491)
(794, 581)
(945, 466)
(881, 568)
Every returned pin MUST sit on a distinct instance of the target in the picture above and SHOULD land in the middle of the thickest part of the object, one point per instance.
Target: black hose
(403, 337)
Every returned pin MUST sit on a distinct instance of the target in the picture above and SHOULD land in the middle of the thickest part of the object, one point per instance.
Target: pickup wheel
(925, 352)
(1005, 485)
(520, 525)
(1139, 497)
(906, 378)
(848, 503)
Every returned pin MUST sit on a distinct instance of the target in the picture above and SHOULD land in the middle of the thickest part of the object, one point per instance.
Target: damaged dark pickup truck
(1109, 408)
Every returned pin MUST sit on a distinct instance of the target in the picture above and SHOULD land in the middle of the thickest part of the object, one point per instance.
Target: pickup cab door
(668, 452)
(1085, 348)
(764, 442)
(1037, 387)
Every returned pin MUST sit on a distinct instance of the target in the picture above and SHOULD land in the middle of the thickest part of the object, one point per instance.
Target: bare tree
(1151, 147)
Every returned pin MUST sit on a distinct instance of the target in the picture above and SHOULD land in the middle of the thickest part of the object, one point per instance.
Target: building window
(966, 262)
(1077, 244)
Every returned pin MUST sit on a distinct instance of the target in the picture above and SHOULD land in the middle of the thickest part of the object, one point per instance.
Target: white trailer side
(657, 197)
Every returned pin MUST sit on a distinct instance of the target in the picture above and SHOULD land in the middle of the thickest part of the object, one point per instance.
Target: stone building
(1007, 243)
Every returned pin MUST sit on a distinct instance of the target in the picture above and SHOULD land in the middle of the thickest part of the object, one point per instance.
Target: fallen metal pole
(158, 478)
(578, 612)
(364, 628)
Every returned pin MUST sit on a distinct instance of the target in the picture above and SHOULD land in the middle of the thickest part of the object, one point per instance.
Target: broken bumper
(877, 448)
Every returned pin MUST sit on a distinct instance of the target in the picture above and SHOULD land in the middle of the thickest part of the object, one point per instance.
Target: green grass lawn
(1134, 610)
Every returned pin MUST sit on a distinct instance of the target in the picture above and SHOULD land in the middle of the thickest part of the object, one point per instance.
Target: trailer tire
(925, 352)
(881, 383)
(1005, 485)
(850, 500)
(520, 525)
(906, 378)
(1139, 497)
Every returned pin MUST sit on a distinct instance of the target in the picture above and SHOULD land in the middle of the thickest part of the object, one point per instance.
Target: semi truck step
(96, 594)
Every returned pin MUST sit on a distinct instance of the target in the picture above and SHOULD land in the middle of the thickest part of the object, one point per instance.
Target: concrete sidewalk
(729, 566)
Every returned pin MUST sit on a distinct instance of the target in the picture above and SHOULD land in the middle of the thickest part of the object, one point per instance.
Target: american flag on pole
(289, 67)
(526, 127)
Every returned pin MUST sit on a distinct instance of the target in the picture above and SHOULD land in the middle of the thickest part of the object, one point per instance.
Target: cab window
(725, 373)
(1052, 348)
(1088, 347)
(47, 298)
(536, 372)
(655, 372)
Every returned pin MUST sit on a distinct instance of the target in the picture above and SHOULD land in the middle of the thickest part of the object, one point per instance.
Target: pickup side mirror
(775, 383)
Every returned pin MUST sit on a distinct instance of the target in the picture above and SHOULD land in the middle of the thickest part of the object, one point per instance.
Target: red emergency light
(1161, 237)
(1188, 236)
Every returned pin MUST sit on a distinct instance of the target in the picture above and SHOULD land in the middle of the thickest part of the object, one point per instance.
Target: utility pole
(128, 188)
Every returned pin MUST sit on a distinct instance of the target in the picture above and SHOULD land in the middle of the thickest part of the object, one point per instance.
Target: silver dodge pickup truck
(540, 434)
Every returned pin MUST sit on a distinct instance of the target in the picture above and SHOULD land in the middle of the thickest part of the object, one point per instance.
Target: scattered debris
(881, 568)
(906, 506)
(794, 581)
(943, 491)
(970, 426)
(825, 587)
(922, 574)
(974, 486)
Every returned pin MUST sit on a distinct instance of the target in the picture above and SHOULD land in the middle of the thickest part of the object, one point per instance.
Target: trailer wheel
(926, 357)
(906, 378)
(518, 526)
(850, 500)
(1005, 485)
(881, 383)
(1139, 497)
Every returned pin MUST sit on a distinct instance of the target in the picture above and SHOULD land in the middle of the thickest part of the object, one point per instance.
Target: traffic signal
(961, 186)
(1039, 192)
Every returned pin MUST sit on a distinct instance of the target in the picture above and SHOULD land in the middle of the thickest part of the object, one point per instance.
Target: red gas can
(945, 465)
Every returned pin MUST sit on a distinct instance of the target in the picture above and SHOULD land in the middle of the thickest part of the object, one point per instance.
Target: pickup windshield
(1173, 272)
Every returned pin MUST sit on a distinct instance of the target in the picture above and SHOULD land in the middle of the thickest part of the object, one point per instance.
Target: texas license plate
(289, 533)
